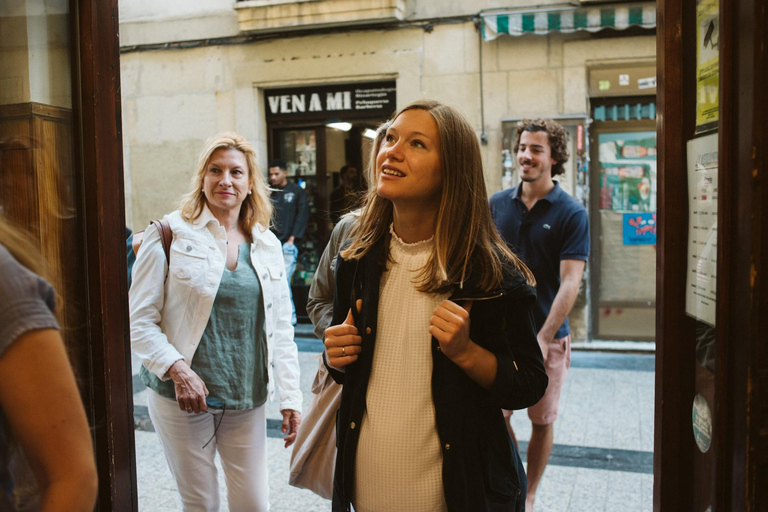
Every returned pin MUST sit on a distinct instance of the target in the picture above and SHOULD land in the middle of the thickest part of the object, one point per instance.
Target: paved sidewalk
(602, 459)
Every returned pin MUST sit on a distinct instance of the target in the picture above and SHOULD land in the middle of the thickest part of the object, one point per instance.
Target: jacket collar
(263, 235)
(552, 197)
(513, 285)
(205, 217)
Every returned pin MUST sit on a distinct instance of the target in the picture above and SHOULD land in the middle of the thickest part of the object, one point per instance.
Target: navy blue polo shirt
(556, 229)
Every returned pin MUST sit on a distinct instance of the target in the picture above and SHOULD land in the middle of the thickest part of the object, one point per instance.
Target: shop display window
(623, 222)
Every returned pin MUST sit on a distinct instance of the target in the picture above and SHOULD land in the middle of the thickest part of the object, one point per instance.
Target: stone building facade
(193, 68)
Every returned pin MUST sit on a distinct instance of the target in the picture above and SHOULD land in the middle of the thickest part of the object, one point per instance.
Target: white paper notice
(701, 283)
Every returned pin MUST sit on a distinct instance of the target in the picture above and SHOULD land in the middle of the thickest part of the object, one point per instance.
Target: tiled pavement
(602, 459)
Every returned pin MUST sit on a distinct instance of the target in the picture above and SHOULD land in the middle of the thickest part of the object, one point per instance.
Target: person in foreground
(432, 332)
(213, 329)
(550, 230)
(44, 424)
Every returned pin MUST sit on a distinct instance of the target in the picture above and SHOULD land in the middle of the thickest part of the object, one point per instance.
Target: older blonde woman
(212, 326)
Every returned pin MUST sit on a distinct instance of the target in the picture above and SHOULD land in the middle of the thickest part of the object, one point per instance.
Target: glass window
(37, 178)
(624, 222)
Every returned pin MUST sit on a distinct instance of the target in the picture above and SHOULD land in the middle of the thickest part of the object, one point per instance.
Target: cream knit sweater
(399, 461)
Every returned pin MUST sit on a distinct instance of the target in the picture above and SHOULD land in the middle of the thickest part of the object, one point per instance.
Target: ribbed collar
(399, 246)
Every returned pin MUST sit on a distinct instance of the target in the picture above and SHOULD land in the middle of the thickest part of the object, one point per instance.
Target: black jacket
(482, 470)
(291, 212)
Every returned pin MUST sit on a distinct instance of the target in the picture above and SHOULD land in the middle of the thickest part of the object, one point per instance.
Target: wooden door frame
(674, 329)
(740, 441)
(95, 56)
(741, 416)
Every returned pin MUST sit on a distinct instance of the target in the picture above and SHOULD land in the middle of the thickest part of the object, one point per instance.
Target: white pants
(241, 441)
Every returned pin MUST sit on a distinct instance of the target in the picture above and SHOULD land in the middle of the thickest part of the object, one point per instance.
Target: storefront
(612, 171)
(623, 201)
(610, 121)
(317, 130)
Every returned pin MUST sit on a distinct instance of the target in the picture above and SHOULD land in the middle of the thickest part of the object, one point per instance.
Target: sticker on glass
(702, 423)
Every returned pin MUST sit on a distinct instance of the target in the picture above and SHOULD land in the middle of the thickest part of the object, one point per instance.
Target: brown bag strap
(166, 236)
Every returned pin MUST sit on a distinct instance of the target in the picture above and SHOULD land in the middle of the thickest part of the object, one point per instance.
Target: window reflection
(37, 184)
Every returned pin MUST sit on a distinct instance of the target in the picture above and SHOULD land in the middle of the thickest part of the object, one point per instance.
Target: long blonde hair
(21, 247)
(465, 236)
(256, 208)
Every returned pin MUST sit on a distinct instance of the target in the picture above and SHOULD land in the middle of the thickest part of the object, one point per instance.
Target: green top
(232, 355)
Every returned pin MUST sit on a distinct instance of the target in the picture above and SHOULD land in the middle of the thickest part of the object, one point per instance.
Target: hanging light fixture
(345, 127)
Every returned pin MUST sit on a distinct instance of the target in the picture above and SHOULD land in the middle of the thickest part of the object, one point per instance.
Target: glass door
(303, 150)
(623, 262)
(61, 182)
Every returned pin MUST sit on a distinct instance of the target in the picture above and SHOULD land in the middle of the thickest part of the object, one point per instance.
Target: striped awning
(568, 19)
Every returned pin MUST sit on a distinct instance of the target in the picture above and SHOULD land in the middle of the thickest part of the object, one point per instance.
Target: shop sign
(639, 228)
(330, 102)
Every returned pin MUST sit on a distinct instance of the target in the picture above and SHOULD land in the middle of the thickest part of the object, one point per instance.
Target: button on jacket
(170, 304)
(482, 470)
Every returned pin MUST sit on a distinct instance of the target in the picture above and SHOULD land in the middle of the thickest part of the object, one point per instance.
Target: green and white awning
(568, 19)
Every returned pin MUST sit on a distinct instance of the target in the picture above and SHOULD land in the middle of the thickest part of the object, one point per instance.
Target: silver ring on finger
(343, 351)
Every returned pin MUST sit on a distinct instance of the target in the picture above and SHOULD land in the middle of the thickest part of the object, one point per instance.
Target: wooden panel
(36, 193)
(16, 170)
(16, 177)
(61, 235)
(741, 474)
(672, 488)
(733, 320)
(757, 471)
(28, 110)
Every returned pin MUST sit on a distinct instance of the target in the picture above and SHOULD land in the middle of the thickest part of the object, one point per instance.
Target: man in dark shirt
(291, 215)
(346, 196)
(549, 231)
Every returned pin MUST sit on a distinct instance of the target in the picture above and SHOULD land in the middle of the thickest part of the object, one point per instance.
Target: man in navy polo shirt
(549, 231)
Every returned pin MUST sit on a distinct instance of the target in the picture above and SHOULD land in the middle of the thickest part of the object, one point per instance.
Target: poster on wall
(707, 64)
(639, 228)
(627, 171)
(701, 280)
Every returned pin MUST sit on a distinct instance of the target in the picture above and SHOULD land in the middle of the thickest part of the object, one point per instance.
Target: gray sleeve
(27, 301)
(320, 302)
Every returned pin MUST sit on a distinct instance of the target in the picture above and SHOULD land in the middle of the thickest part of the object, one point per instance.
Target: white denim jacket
(169, 316)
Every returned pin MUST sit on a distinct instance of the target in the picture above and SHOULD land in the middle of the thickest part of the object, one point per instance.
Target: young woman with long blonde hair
(432, 332)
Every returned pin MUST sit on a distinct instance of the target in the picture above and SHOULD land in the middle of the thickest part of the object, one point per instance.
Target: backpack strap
(166, 236)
